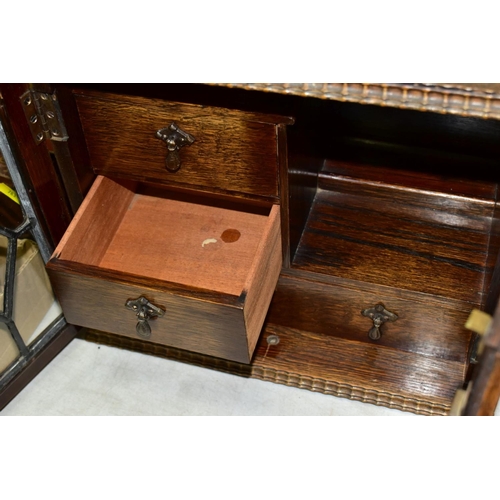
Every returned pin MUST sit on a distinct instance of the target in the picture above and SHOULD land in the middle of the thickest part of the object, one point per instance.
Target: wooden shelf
(413, 232)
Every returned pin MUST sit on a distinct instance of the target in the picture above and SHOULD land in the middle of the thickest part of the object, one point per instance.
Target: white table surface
(89, 379)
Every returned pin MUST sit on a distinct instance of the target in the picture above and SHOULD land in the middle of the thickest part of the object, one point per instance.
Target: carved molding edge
(460, 100)
(379, 398)
(338, 389)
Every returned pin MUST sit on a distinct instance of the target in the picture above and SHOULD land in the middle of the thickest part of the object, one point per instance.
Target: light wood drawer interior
(211, 265)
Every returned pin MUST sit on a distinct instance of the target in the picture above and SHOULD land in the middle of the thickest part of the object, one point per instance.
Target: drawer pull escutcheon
(145, 311)
(379, 314)
(175, 139)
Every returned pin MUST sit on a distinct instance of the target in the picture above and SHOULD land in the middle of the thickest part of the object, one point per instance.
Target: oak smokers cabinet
(339, 250)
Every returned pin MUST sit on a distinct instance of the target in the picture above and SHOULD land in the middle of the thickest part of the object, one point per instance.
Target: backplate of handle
(379, 315)
(175, 139)
(145, 311)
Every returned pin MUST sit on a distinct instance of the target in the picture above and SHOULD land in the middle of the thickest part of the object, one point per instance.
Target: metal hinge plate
(44, 116)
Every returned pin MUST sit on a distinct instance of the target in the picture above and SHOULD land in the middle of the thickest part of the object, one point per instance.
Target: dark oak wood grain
(422, 327)
(284, 192)
(232, 152)
(421, 182)
(315, 354)
(402, 238)
(195, 325)
(410, 191)
(368, 373)
(303, 185)
(492, 276)
(377, 205)
(61, 152)
(78, 163)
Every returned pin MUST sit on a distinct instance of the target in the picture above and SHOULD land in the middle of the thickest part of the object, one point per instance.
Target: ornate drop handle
(175, 139)
(145, 311)
(379, 314)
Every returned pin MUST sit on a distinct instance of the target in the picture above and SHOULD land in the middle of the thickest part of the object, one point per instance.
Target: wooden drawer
(210, 266)
(233, 151)
(416, 365)
(418, 244)
(425, 325)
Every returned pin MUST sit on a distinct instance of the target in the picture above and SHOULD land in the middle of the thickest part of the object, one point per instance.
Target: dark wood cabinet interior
(389, 225)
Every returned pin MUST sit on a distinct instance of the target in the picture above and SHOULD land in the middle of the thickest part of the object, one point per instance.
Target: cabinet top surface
(480, 100)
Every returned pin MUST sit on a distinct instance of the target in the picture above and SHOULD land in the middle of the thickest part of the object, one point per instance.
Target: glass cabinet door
(29, 315)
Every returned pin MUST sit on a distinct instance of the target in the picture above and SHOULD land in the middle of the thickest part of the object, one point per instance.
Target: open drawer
(179, 270)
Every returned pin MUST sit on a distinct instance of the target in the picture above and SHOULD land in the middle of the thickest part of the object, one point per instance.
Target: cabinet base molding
(341, 390)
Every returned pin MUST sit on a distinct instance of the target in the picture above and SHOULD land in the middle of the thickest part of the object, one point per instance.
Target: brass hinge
(44, 116)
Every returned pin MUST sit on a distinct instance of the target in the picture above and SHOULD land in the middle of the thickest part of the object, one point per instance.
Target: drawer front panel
(432, 329)
(212, 269)
(195, 325)
(232, 151)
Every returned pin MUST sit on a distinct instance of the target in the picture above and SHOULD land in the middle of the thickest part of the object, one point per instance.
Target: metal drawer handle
(175, 139)
(145, 311)
(379, 314)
